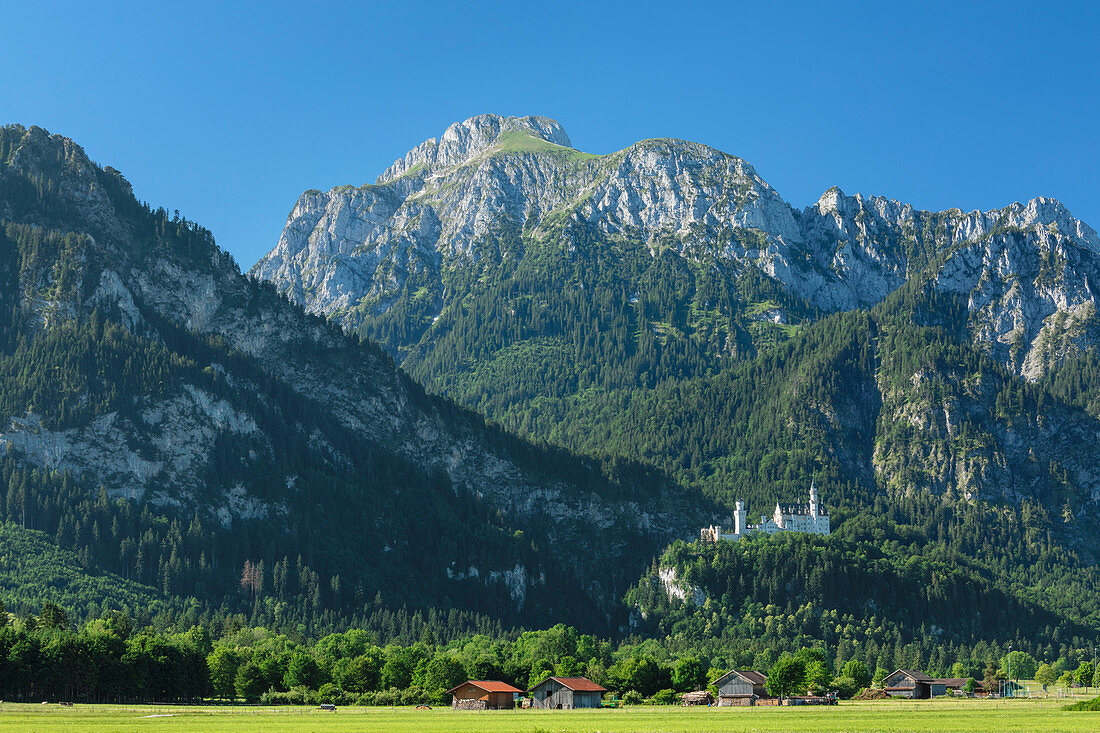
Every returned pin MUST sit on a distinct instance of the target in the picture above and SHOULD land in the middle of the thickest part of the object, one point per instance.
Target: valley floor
(884, 717)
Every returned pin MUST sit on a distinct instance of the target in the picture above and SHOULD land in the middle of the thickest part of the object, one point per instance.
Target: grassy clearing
(518, 141)
(967, 715)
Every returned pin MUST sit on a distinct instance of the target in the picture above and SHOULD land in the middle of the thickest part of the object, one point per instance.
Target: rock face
(1026, 271)
(164, 282)
(465, 140)
(559, 292)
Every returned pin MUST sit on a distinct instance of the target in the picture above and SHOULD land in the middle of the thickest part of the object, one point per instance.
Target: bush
(845, 687)
(664, 697)
(394, 697)
(378, 697)
(298, 695)
(330, 693)
(1092, 705)
(632, 697)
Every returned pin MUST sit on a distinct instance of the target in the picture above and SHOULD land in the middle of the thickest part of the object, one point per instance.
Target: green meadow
(887, 716)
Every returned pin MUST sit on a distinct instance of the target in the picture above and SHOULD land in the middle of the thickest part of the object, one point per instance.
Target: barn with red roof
(484, 695)
(566, 693)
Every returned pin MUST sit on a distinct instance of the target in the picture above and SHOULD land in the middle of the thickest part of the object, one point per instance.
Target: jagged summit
(465, 140)
(354, 253)
(1041, 212)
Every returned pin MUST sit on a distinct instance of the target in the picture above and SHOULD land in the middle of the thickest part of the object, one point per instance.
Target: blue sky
(227, 112)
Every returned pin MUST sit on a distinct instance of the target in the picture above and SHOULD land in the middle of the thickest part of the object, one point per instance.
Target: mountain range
(569, 296)
(141, 364)
(508, 378)
(1027, 271)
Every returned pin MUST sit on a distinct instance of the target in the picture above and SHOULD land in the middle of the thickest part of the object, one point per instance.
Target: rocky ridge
(165, 295)
(1026, 270)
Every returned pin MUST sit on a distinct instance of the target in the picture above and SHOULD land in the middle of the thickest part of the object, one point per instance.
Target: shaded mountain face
(140, 364)
(663, 302)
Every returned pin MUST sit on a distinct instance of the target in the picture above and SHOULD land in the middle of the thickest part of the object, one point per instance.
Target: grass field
(966, 715)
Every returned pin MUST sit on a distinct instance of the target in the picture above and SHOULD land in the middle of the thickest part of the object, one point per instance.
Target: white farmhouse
(811, 518)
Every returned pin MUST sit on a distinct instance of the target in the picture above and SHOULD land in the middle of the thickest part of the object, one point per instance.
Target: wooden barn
(566, 693)
(909, 684)
(484, 695)
(740, 687)
(947, 686)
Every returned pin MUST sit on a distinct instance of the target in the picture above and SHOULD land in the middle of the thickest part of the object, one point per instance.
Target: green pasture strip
(885, 717)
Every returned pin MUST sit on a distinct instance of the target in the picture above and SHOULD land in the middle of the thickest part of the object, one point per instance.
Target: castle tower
(814, 507)
(739, 513)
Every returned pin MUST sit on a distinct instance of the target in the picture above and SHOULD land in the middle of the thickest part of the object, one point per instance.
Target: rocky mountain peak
(1051, 214)
(35, 153)
(830, 201)
(351, 253)
(465, 140)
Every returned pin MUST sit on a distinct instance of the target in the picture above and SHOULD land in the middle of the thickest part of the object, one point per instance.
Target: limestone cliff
(288, 401)
(348, 253)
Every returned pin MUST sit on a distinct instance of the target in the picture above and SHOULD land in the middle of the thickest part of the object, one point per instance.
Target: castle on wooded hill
(812, 518)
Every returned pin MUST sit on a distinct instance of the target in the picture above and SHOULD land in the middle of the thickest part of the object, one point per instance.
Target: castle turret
(739, 514)
(814, 509)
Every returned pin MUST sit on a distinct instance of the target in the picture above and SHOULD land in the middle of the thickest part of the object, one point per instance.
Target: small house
(908, 684)
(566, 693)
(741, 687)
(484, 695)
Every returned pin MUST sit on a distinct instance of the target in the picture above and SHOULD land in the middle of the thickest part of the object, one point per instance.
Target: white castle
(812, 518)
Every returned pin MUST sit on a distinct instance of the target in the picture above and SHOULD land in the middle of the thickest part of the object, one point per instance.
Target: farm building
(951, 686)
(566, 693)
(917, 685)
(484, 695)
(740, 687)
(907, 683)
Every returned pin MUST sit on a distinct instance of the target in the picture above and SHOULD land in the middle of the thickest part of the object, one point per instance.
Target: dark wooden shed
(484, 695)
(566, 693)
(909, 684)
(741, 687)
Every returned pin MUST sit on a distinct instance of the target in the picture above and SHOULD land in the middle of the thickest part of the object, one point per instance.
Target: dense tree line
(764, 594)
(111, 658)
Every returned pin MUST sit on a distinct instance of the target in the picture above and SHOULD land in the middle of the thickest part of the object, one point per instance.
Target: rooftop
(749, 675)
(801, 509)
(576, 684)
(487, 685)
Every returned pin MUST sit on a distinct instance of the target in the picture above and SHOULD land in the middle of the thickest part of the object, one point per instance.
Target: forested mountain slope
(936, 372)
(663, 302)
(767, 594)
(186, 428)
(183, 425)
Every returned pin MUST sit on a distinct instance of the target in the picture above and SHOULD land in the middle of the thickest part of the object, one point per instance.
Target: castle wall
(806, 518)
